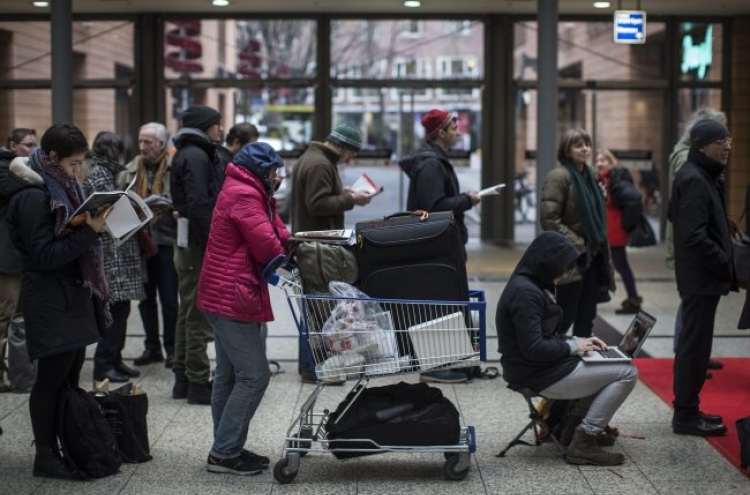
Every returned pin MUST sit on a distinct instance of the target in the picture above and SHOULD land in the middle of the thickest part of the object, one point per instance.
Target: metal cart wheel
(304, 443)
(451, 471)
(281, 472)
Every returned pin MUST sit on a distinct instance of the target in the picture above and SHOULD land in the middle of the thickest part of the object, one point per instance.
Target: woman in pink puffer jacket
(246, 234)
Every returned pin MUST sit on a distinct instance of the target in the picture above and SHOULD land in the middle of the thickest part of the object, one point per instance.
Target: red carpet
(727, 394)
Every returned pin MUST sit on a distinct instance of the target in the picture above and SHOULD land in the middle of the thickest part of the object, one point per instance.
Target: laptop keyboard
(610, 354)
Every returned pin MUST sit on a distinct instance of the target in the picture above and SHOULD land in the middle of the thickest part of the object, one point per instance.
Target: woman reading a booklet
(535, 357)
(246, 234)
(63, 288)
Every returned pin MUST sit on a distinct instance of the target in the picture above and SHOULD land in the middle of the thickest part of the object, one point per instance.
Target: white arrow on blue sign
(630, 26)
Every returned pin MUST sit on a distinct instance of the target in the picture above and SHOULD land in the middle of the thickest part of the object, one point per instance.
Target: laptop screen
(636, 334)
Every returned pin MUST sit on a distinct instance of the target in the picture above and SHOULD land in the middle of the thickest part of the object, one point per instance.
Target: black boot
(49, 464)
(199, 393)
(180, 388)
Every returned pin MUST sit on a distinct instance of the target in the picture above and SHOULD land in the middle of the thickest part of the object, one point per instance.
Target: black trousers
(55, 373)
(109, 349)
(693, 352)
(578, 301)
(162, 278)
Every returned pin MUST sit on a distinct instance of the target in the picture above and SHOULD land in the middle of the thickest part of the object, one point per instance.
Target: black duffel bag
(401, 415)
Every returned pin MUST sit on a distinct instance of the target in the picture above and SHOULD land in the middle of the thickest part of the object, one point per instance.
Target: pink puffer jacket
(242, 240)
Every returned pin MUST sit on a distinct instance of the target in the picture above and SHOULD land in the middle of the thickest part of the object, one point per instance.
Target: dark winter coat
(10, 260)
(702, 246)
(532, 354)
(195, 181)
(58, 311)
(318, 197)
(626, 198)
(433, 185)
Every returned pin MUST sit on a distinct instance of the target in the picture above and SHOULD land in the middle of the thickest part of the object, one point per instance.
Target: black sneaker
(252, 456)
(240, 465)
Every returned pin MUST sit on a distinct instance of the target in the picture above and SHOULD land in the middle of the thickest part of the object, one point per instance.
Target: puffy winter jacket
(246, 234)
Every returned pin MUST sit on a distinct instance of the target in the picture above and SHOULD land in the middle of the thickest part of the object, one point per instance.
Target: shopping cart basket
(357, 339)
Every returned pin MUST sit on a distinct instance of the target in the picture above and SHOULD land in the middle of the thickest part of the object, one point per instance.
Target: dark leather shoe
(713, 419)
(148, 357)
(199, 393)
(113, 376)
(698, 428)
(715, 365)
(127, 370)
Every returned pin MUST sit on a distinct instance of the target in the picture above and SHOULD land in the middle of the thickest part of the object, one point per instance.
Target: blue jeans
(240, 380)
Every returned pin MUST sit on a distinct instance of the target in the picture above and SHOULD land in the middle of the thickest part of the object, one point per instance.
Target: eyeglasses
(724, 142)
(28, 144)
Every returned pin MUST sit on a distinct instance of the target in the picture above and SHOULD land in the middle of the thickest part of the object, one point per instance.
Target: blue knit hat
(347, 136)
(258, 158)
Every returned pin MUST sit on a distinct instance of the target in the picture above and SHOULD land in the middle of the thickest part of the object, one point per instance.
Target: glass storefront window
(101, 49)
(239, 49)
(407, 49)
(586, 52)
(699, 51)
(691, 99)
(94, 110)
(283, 115)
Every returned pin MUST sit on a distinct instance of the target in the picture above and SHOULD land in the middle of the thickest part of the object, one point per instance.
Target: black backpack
(86, 438)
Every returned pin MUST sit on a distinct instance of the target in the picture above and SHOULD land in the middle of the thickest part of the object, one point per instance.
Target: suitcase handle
(422, 214)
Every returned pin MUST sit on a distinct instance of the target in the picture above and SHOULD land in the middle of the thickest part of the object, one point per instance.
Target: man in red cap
(433, 186)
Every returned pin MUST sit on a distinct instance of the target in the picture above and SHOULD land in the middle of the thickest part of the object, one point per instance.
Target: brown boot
(603, 439)
(584, 449)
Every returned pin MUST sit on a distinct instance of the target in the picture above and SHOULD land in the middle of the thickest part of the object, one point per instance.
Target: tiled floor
(662, 463)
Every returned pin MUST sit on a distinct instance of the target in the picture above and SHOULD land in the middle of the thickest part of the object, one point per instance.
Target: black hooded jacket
(195, 181)
(702, 246)
(433, 184)
(533, 356)
(58, 310)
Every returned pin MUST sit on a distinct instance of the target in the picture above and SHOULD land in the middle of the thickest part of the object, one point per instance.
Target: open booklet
(128, 214)
(366, 184)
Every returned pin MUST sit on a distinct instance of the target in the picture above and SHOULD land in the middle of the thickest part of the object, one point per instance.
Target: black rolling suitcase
(407, 256)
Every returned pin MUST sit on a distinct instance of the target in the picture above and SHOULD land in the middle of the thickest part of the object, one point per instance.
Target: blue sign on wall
(630, 26)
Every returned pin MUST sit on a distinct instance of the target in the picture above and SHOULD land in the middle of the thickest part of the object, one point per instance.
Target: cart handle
(269, 272)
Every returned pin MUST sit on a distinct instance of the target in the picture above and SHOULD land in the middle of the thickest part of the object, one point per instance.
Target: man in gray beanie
(195, 182)
(319, 199)
(703, 269)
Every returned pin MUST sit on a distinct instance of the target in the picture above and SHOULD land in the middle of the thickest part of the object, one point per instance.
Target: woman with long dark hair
(63, 289)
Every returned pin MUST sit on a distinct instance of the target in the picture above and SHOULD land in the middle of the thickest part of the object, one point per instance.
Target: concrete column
(62, 61)
(546, 133)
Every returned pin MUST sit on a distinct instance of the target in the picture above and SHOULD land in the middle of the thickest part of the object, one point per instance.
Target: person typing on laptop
(533, 356)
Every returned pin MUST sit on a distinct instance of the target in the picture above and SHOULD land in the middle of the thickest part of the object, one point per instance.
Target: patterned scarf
(591, 209)
(142, 188)
(65, 196)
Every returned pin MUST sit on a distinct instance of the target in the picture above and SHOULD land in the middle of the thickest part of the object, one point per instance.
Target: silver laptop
(630, 345)
(443, 341)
